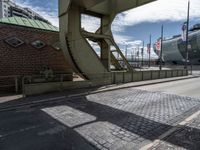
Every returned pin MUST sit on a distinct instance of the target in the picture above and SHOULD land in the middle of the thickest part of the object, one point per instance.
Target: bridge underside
(74, 40)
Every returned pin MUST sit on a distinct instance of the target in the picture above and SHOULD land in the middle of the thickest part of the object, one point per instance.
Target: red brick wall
(25, 59)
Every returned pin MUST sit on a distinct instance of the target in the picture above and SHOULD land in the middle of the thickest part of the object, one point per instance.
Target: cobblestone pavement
(188, 137)
(116, 120)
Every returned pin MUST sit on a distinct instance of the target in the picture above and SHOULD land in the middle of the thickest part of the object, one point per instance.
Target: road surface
(123, 119)
(188, 87)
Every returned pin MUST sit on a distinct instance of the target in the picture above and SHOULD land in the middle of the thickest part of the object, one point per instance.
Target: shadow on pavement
(107, 128)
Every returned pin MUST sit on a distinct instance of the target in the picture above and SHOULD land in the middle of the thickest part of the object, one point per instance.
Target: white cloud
(134, 43)
(90, 23)
(122, 39)
(161, 10)
(51, 16)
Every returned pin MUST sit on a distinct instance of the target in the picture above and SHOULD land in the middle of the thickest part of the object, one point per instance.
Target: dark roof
(19, 21)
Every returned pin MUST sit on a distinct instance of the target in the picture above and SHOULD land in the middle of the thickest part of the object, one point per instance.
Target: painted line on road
(171, 131)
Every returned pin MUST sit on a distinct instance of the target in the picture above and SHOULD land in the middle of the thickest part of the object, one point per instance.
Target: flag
(158, 44)
(149, 48)
(184, 31)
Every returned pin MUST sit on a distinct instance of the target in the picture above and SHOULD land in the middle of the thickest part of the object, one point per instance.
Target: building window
(14, 41)
(38, 44)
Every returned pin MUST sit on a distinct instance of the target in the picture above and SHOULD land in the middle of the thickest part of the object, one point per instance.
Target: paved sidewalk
(123, 119)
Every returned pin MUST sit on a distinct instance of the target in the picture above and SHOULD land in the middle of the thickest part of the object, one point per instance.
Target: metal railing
(10, 81)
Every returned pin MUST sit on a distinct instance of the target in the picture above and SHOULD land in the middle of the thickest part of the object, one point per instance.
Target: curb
(130, 86)
(83, 93)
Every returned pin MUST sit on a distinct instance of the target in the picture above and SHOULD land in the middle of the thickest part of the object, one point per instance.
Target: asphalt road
(188, 87)
(120, 119)
(124, 119)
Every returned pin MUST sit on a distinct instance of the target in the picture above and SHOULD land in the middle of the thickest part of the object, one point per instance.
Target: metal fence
(10, 82)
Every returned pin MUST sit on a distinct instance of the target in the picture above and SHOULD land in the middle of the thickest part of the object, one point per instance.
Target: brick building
(28, 46)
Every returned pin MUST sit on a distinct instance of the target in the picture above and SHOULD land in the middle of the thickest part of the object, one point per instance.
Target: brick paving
(187, 137)
(128, 119)
(116, 120)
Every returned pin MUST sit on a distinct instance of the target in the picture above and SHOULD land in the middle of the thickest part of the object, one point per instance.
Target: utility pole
(187, 40)
(161, 47)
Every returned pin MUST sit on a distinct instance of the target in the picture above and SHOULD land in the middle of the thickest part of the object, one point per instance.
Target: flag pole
(126, 51)
(161, 47)
(187, 40)
(142, 53)
(150, 51)
(138, 54)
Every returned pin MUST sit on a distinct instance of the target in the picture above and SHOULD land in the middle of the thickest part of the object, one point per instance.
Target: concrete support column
(105, 54)
(105, 29)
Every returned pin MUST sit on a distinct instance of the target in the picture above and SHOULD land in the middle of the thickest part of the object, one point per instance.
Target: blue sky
(135, 25)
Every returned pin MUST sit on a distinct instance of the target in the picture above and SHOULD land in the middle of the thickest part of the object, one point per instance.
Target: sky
(133, 26)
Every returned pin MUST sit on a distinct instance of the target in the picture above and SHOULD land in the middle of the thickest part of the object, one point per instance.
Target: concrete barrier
(185, 72)
(137, 76)
(147, 75)
(119, 77)
(180, 72)
(40, 88)
(128, 77)
(162, 74)
(169, 74)
(112, 78)
(155, 74)
(174, 73)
